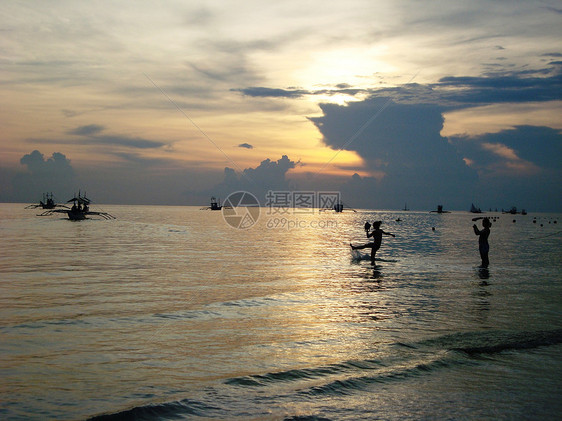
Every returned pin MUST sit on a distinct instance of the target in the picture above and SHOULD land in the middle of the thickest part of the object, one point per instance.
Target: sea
(174, 312)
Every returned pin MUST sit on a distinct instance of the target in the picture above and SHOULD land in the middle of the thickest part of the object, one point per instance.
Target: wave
(168, 410)
(491, 342)
(399, 361)
(407, 360)
(304, 374)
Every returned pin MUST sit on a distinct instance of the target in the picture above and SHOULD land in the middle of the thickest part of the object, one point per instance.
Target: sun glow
(348, 64)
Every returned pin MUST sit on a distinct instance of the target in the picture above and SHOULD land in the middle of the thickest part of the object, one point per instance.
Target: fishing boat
(338, 207)
(439, 210)
(79, 211)
(514, 211)
(48, 202)
(215, 204)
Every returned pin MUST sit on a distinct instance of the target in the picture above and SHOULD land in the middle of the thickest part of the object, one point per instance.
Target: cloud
(520, 151)
(268, 175)
(38, 165)
(90, 135)
(516, 87)
(245, 145)
(130, 142)
(403, 142)
(41, 175)
(293, 93)
(262, 92)
(450, 92)
(89, 130)
(422, 168)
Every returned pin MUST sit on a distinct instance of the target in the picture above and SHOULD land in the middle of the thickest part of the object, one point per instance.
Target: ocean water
(170, 313)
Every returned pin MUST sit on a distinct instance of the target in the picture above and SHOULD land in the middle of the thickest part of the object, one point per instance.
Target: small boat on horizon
(338, 207)
(514, 211)
(439, 210)
(215, 204)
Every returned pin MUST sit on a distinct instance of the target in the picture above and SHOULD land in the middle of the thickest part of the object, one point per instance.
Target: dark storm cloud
(519, 166)
(41, 175)
(540, 146)
(38, 165)
(403, 141)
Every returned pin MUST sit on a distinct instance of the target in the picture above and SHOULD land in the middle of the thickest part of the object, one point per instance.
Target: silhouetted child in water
(483, 245)
(377, 240)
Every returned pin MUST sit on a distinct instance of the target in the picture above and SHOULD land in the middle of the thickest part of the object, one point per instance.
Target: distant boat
(338, 207)
(439, 210)
(79, 211)
(405, 207)
(514, 211)
(48, 202)
(215, 204)
(474, 209)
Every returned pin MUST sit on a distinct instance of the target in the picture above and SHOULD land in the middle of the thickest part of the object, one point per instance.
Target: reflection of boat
(474, 209)
(215, 204)
(439, 210)
(48, 202)
(80, 209)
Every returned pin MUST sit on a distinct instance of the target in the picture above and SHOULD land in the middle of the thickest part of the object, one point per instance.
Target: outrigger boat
(48, 202)
(80, 209)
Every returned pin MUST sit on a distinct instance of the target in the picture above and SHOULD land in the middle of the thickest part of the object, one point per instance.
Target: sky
(386, 102)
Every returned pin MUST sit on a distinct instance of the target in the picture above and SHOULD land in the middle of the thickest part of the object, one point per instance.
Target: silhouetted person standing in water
(377, 240)
(483, 245)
